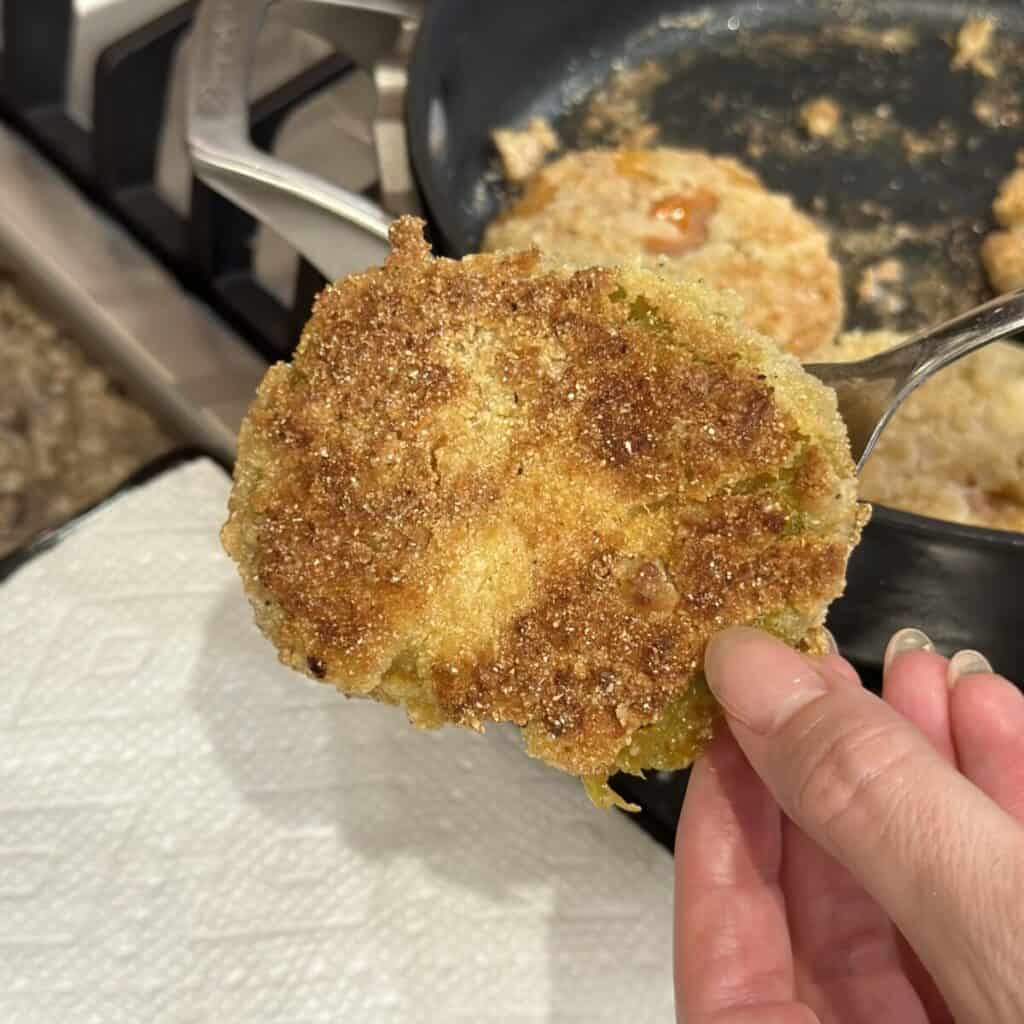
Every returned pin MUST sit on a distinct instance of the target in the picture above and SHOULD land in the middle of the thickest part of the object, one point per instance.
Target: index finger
(732, 947)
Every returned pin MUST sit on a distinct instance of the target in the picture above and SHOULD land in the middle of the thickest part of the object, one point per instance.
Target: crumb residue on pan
(858, 133)
(893, 39)
(820, 117)
(998, 101)
(998, 107)
(524, 150)
(897, 39)
(881, 286)
(942, 138)
(619, 112)
(925, 296)
(972, 48)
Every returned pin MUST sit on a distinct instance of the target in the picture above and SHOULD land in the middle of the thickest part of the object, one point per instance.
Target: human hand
(875, 820)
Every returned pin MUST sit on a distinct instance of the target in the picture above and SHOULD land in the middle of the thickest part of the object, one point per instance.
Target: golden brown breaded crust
(695, 216)
(498, 490)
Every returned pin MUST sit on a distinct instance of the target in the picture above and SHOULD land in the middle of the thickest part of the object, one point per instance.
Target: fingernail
(833, 647)
(903, 642)
(758, 680)
(966, 663)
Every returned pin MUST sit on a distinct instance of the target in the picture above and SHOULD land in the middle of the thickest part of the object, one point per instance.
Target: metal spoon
(871, 390)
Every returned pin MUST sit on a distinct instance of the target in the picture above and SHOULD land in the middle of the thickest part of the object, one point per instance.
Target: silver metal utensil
(871, 390)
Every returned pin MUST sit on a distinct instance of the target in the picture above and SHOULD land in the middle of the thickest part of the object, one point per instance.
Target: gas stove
(182, 294)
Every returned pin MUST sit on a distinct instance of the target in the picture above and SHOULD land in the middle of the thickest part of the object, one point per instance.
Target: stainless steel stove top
(184, 297)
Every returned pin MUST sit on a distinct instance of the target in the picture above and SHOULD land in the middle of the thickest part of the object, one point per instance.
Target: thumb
(944, 861)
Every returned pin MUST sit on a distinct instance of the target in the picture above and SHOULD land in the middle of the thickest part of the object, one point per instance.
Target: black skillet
(915, 178)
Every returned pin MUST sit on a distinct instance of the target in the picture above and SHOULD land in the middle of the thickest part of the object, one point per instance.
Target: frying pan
(477, 65)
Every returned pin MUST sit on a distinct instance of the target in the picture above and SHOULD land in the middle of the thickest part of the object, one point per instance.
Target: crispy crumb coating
(497, 489)
(695, 217)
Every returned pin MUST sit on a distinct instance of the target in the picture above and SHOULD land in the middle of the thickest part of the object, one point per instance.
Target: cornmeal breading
(498, 489)
(695, 217)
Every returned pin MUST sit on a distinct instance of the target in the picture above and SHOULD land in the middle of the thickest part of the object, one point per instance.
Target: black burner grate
(210, 250)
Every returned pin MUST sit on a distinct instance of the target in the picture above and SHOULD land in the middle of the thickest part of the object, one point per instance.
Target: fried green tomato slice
(503, 490)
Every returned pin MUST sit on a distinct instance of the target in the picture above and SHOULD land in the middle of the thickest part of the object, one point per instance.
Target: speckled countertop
(68, 435)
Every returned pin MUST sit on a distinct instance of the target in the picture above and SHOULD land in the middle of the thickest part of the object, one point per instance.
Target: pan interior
(911, 174)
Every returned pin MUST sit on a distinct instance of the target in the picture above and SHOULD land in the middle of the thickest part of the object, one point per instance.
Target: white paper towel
(191, 833)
